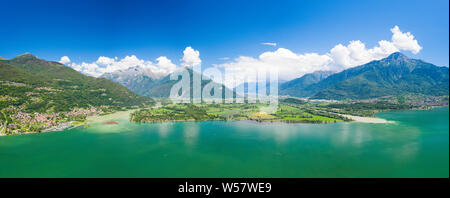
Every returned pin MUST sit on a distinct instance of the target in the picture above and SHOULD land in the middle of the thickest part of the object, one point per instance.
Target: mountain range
(144, 82)
(297, 86)
(38, 85)
(393, 75)
(138, 79)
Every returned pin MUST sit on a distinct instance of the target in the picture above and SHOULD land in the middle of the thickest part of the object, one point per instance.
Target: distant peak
(397, 56)
(323, 72)
(27, 55)
(1, 58)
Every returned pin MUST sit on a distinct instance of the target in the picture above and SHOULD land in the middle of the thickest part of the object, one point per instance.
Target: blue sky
(85, 30)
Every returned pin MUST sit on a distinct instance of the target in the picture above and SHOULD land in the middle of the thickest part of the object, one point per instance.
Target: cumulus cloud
(191, 57)
(162, 67)
(64, 60)
(271, 44)
(102, 60)
(405, 41)
(291, 65)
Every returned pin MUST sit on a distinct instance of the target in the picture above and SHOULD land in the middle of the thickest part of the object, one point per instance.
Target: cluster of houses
(26, 122)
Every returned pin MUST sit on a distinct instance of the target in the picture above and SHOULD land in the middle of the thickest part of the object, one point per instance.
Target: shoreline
(89, 120)
(111, 117)
(354, 118)
(121, 114)
(373, 120)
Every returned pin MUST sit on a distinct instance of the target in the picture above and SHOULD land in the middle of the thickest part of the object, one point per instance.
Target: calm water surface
(417, 145)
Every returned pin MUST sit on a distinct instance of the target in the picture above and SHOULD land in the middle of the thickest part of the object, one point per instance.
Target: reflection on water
(360, 136)
(164, 129)
(410, 138)
(407, 151)
(416, 146)
(190, 132)
(279, 132)
(284, 132)
(343, 136)
(353, 133)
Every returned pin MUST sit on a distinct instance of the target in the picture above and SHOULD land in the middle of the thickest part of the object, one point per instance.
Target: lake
(416, 145)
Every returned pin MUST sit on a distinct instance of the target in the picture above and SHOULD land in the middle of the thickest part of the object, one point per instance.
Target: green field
(200, 112)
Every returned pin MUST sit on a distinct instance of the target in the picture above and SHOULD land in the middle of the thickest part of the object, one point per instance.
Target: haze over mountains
(138, 79)
(144, 82)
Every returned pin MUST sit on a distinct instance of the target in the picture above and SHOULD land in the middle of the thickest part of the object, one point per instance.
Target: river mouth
(416, 146)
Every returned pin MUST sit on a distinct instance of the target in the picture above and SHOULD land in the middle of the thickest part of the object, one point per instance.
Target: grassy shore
(111, 117)
(289, 110)
(202, 112)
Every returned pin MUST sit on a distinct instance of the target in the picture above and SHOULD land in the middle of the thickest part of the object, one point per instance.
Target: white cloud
(102, 60)
(291, 65)
(405, 41)
(271, 44)
(288, 63)
(91, 69)
(191, 57)
(163, 66)
(64, 60)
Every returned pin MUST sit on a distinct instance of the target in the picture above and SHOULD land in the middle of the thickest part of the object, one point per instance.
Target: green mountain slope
(37, 85)
(297, 86)
(394, 75)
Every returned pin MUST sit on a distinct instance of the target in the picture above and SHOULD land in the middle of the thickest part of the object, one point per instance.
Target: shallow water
(417, 145)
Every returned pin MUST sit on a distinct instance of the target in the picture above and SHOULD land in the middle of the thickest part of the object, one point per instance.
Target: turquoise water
(417, 145)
